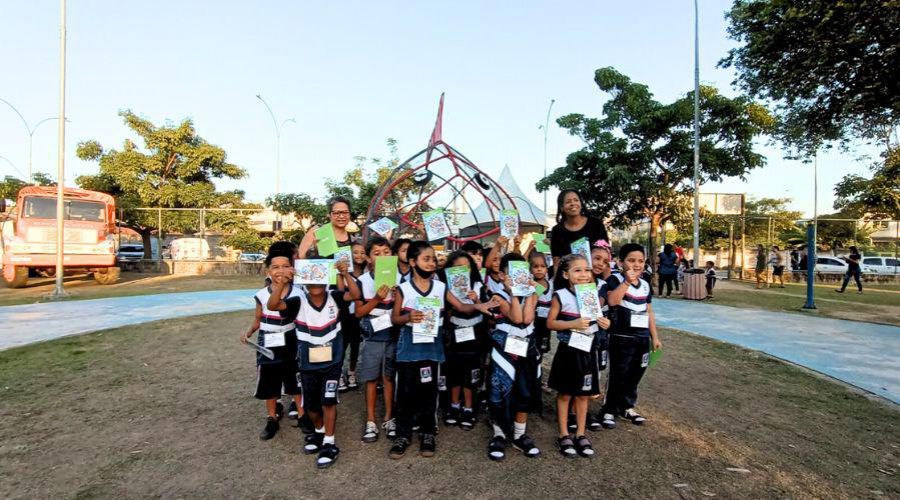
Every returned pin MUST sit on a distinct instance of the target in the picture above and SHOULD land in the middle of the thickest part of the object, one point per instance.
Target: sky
(354, 73)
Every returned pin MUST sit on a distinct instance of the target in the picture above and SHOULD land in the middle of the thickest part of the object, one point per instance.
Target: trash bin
(694, 284)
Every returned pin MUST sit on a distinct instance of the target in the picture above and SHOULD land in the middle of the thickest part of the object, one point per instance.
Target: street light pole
(546, 128)
(696, 135)
(60, 292)
(277, 142)
(29, 130)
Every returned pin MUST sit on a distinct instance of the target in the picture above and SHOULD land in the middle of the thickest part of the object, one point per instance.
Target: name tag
(425, 374)
(320, 353)
(640, 320)
(516, 346)
(581, 341)
(645, 360)
(422, 339)
(331, 388)
(604, 358)
(442, 383)
(382, 322)
(464, 334)
(542, 312)
(275, 339)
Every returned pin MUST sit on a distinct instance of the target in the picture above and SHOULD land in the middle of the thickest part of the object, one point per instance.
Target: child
(319, 351)
(632, 335)
(492, 280)
(276, 334)
(574, 373)
(710, 278)
(350, 325)
(380, 345)
(679, 281)
(399, 249)
(538, 266)
(418, 356)
(515, 368)
(476, 251)
(463, 353)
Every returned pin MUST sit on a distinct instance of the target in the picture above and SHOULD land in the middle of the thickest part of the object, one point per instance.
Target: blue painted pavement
(862, 354)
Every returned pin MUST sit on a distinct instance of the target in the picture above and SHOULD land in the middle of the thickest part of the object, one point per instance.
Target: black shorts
(463, 369)
(271, 377)
(320, 387)
(777, 270)
(574, 372)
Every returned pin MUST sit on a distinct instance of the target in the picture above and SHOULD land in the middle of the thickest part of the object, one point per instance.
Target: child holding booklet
(574, 372)
(544, 294)
(515, 389)
(319, 351)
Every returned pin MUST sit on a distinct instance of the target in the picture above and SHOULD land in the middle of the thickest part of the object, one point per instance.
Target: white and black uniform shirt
(275, 332)
(407, 350)
(473, 318)
(568, 311)
(318, 327)
(543, 302)
(634, 303)
(508, 327)
(380, 316)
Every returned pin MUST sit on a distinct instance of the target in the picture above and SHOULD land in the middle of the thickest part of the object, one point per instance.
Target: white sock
(328, 439)
(456, 406)
(518, 430)
(466, 409)
(498, 431)
(320, 430)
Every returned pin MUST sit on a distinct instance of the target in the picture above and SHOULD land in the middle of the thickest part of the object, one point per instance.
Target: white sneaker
(342, 384)
(351, 381)
(635, 417)
(370, 435)
(390, 428)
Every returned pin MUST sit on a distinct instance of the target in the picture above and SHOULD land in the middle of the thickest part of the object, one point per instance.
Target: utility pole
(696, 135)
(546, 128)
(31, 130)
(59, 291)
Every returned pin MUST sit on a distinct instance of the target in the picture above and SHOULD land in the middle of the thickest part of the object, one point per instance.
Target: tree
(829, 66)
(175, 169)
(302, 206)
(247, 240)
(637, 163)
(10, 186)
(878, 197)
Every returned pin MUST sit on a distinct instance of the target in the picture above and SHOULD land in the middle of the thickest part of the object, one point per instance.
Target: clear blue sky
(355, 73)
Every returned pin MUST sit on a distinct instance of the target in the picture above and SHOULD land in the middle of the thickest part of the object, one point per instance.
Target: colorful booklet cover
(383, 226)
(312, 271)
(583, 248)
(539, 289)
(431, 308)
(385, 272)
(521, 279)
(436, 226)
(539, 244)
(588, 300)
(655, 356)
(509, 223)
(458, 281)
(326, 243)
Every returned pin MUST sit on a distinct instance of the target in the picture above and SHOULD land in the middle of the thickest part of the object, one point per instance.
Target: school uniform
(603, 335)
(462, 350)
(278, 335)
(515, 370)
(541, 332)
(417, 366)
(379, 348)
(320, 346)
(629, 345)
(711, 280)
(574, 371)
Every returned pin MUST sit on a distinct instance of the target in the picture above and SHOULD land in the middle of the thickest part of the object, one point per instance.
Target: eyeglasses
(342, 213)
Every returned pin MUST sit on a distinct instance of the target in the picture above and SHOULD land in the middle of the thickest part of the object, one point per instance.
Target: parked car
(130, 253)
(251, 257)
(835, 265)
(882, 265)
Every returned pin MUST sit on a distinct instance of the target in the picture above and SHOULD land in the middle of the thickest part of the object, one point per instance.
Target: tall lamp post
(277, 142)
(30, 129)
(696, 135)
(59, 291)
(546, 128)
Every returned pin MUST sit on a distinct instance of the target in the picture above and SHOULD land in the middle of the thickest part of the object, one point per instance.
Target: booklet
(458, 281)
(260, 349)
(312, 271)
(539, 243)
(385, 272)
(436, 226)
(583, 248)
(521, 279)
(588, 301)
(509, 223)
(655, 356)
(431, 308)
(326, 243)
(539, 290)
(383, 226)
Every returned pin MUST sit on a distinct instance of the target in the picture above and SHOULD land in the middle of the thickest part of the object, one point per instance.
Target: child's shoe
(313, 442)
(269, 430)
(635, 417)
(305, 424)
(390, 428)
(451, 416)
(593, 424)
(497, 448)
(342, 384)
(426, 445)
(292, 410)
(526, 445)
(279, 410)
(327, 456)
(370, 434)
(608, 421)
(467, 420)
(352, 383)
(584, 447)
(566, 446)
(398, 449)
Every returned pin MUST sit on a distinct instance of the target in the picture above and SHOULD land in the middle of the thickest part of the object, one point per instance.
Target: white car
(882, 265)
(252, 257)
(835, 265)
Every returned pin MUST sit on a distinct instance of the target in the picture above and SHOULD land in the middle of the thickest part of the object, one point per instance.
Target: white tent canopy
(529, 213)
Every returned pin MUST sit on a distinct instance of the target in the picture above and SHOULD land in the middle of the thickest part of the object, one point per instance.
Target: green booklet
(588, 301)
(458, 281)
(326, 243)
(583, 248)
(539, 243)
(385, 272)
(655, 356)
(430, 307)
(539, 289)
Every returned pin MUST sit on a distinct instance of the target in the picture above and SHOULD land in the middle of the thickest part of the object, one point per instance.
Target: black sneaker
(608, 421)
(635, 417)
(572, 423)
(292, 410)
(305, 424)
(467, 420)
(398, 449)
(313, 442)
(497, 448)
(279, 410)
(269, 430)
(328, 455)
(544, 348)
(451, 416)
(592, 423)
(426, 445)
(526, 445)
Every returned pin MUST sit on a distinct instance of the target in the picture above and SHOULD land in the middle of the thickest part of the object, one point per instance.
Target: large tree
(175, 168)
(876, 197)
(10, 186)
(637, 163)
(830, 66)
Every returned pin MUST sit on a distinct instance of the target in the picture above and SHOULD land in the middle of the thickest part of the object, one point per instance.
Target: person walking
(761, 264)
(668, 269)
(853, 270)
(776, 259)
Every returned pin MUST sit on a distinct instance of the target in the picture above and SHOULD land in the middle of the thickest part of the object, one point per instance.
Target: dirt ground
(83, 286)
(165, 410)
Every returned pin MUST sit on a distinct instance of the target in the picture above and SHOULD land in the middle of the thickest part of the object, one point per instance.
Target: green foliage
(247, 240)
(835, 234)
(878, 197)
(829, 65)
(10, 186)
(637, 162)
(303, 206)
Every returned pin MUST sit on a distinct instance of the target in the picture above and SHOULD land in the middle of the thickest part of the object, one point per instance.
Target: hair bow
(601, 243)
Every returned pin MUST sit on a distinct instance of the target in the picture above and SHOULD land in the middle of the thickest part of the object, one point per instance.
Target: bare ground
(164, 409)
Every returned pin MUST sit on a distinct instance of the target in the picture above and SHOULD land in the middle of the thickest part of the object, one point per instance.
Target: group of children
(489, 345)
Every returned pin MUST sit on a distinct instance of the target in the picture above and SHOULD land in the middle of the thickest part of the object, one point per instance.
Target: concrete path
(862, 354)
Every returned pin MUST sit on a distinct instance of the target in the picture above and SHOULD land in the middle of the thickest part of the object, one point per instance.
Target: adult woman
(853, 270)
(339, 216)
(668, 269)
(573, 223)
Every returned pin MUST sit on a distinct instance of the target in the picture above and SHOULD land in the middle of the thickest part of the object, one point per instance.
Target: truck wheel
(107, 275)
(15, 276)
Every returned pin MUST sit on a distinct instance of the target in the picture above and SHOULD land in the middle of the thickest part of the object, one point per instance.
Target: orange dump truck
(29, 235)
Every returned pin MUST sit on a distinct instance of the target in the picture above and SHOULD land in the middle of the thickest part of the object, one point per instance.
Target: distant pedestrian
(710, 278)
(761, 264)
(852, 270)
(776, 259)
(668, 269)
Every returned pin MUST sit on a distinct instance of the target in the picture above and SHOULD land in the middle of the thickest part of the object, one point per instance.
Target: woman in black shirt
(573, 223)
(853, 271)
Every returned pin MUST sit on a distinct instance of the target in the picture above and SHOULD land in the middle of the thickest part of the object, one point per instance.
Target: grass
(164, 410)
